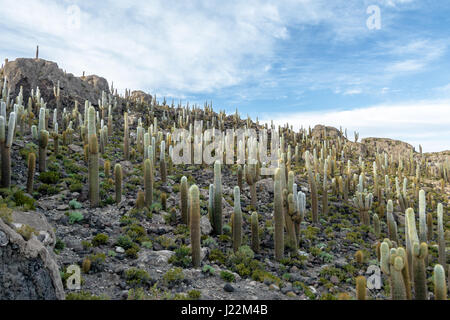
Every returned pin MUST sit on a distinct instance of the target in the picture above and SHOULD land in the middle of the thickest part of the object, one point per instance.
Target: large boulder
(32, 73)
(27, 269)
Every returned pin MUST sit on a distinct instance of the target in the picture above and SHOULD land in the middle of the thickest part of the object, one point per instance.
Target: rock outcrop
(389, 146)
(32, 73)
(27, 269)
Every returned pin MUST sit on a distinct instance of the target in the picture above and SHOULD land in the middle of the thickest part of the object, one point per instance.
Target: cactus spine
(195, 224)
(118, 182)
(237, 220)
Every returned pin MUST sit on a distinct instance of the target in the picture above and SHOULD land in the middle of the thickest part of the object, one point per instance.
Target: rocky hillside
(117, 206)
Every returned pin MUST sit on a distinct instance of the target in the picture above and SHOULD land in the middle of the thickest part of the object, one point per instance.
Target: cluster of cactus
(394, 264)
(363, 201)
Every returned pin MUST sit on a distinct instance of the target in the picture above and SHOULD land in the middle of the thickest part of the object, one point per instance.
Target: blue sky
(302, 61)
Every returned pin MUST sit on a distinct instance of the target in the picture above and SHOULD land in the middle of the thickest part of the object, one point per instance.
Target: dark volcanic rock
(27, 270)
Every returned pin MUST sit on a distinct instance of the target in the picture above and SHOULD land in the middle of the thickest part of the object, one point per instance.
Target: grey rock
(205, 225)
(38, 222)
(27, 269)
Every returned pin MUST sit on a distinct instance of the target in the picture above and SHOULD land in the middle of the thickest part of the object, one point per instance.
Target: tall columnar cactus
(184, 200)
(325, 188)
(162, 162)
(237, 220)
(148, 182)
(313, 188)
(422, 217)
(361, 284)
(93, 169)
(140, 200)
(440, 286)
(217, 212)
(126, 144)
(289, 220)
(255, 232)
(118, 182)
(107, 168)
(411, 237)
(376, 225)
(239, 176)
(194, 206)
(251, 176)
(6, 141)
(31, 171)
(43, 142)
(441, 236)
(420, 253)
(278, 216)
(392, 225)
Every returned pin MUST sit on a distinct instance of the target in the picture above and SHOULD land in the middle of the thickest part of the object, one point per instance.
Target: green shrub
(173, 276)
(227, 276)
(100, 239)
(181, 258)
(74, 204)
(49, 177)
(137, 277)
(194, 294)
(75, 216)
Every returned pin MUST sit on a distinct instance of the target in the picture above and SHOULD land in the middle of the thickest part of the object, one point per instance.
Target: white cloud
(426, 123)
(162, 45)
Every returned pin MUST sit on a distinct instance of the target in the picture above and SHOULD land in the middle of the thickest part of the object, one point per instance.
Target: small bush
(100, 239)
(137, 277)
(227, 276)
(75, 216)
(49, 177)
